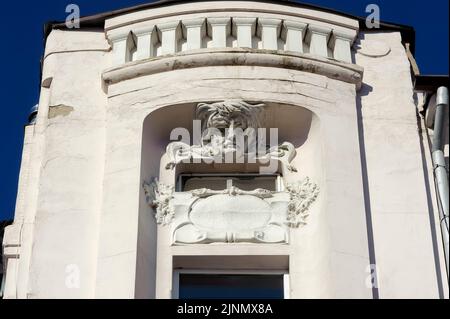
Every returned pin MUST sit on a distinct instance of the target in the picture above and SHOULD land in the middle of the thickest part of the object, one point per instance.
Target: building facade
(134, 184)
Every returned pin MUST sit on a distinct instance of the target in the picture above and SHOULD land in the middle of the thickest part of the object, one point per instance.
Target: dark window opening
(246, 182)
(231, 286)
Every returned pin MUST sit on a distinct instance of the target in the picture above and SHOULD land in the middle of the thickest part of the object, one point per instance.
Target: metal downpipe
(440, 170)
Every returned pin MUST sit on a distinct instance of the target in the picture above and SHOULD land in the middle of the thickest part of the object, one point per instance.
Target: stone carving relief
(232, 191)
(158, 196)
(220, 123)
(232, 215)
(302, 194)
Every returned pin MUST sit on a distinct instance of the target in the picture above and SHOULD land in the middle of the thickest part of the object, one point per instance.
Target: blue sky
(22, 46)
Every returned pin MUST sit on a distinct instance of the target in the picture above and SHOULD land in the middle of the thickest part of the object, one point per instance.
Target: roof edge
(98, 20)
(430, 83)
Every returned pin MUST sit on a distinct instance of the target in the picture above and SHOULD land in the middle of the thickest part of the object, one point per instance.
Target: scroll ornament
(302, 195)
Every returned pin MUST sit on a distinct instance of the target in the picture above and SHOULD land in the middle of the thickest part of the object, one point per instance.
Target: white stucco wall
(63, 190)
(403, 222)
(81, 212)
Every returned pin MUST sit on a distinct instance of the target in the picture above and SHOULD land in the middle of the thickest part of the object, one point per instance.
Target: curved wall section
(91, 220)
(316, 113)
(233, 24)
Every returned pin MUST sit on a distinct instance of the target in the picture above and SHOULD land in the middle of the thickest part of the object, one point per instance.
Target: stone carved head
(230, 113)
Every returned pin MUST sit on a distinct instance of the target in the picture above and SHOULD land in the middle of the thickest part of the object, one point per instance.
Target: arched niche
(295, 124)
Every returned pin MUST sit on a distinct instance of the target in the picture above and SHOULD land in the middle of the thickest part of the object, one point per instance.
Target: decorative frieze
(232, 215)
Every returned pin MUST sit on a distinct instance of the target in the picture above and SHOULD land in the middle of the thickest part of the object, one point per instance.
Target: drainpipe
(440, 170)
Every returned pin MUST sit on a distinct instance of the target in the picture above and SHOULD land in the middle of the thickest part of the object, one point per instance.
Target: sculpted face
(231, 128)
(236, 113)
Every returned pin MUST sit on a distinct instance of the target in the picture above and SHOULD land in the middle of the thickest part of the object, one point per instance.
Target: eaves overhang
(430, 83)
(98, 20)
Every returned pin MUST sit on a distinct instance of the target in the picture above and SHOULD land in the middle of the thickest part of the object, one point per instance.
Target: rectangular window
(230, 285)
(246, 182)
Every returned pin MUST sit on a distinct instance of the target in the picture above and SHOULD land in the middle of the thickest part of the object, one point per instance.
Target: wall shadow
(431, 212)
(365, 90)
